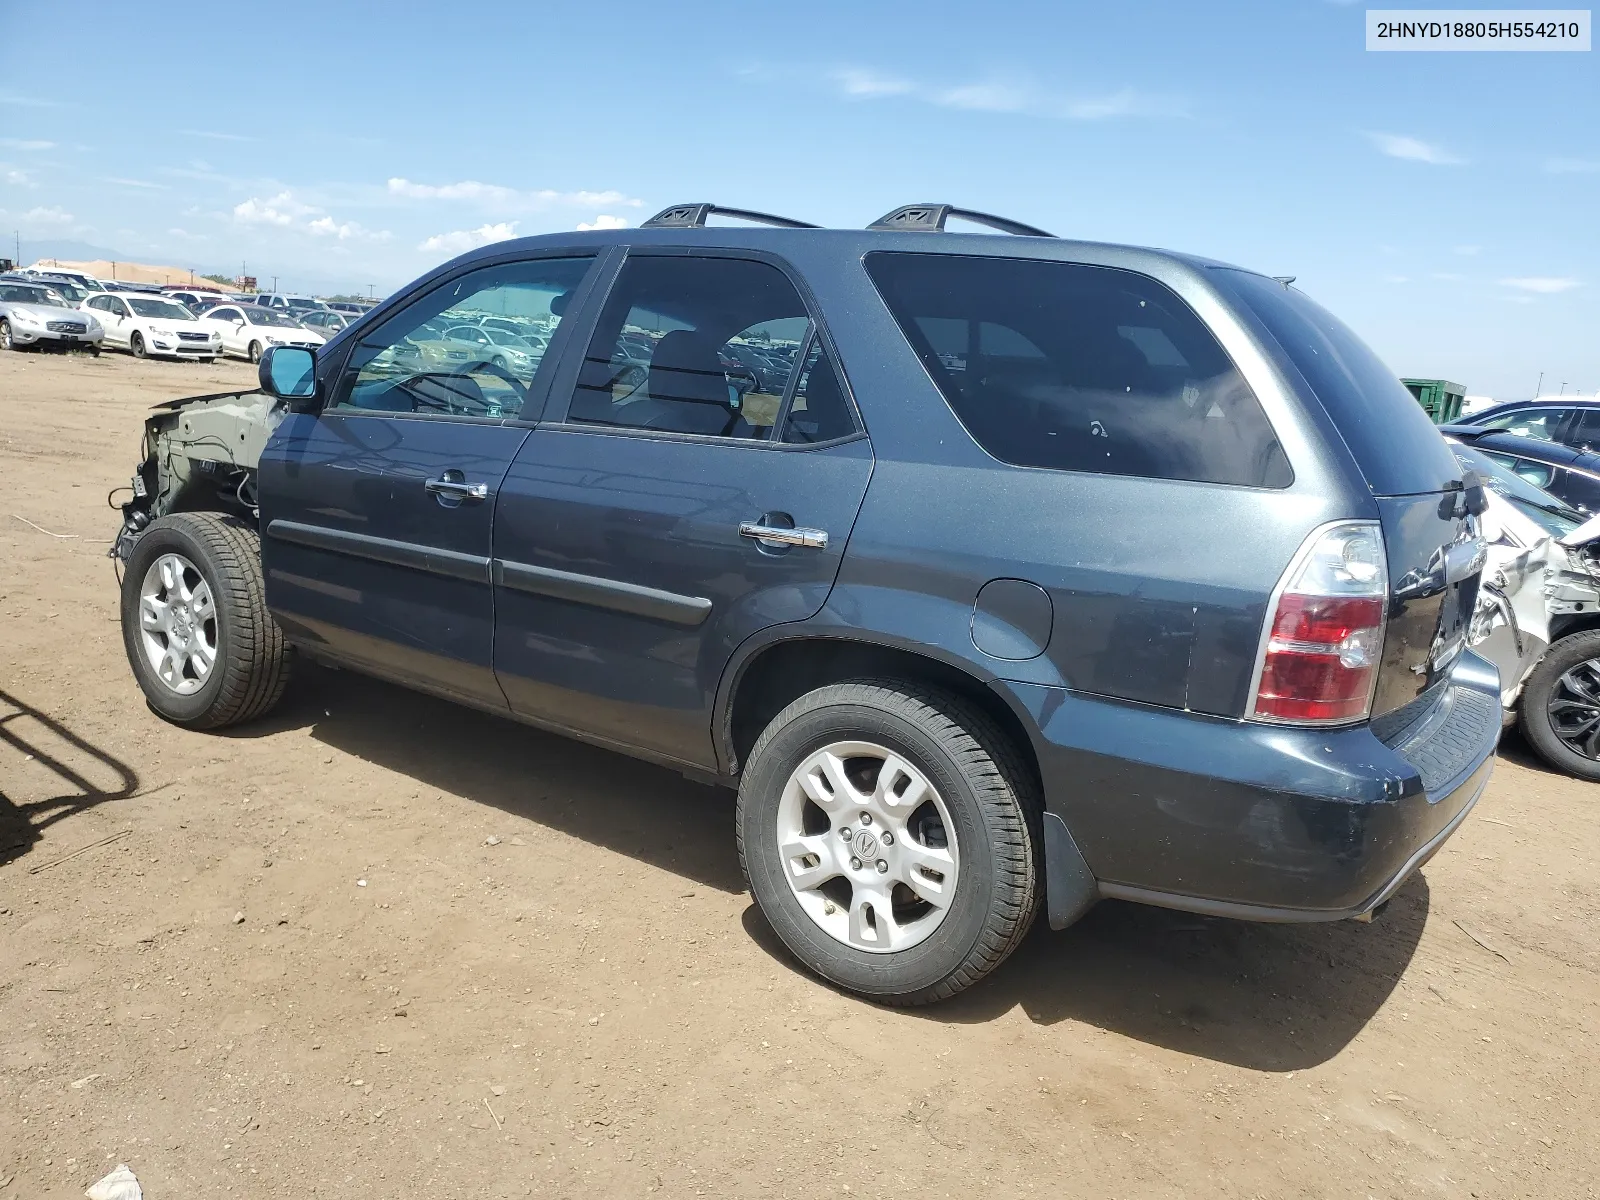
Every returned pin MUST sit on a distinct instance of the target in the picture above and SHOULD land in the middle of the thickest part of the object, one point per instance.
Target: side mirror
(288, 372)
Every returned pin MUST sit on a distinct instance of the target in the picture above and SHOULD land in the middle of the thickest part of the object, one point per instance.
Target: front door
(670, 510)
(377, 510)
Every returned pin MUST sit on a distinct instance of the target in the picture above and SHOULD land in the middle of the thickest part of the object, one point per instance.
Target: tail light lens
(1319, 655)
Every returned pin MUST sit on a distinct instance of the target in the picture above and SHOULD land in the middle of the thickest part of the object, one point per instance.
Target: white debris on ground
(119, 1185)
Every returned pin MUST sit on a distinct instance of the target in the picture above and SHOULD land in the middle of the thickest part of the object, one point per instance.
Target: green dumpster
(1439, 398)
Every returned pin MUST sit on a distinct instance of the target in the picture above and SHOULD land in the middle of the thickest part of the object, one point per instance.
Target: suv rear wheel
(195, 624)
(890, 833)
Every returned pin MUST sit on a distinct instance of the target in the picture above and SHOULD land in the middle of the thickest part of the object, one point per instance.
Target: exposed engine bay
(199, 454)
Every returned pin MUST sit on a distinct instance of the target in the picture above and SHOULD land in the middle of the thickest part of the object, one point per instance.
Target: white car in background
(149, 325)
(247, 330)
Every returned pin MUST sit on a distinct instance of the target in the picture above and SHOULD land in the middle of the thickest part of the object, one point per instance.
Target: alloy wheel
(178, 624)
(867, 846)
(1574, 709)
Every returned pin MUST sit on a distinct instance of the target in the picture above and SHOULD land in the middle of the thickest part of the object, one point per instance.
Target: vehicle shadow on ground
(1266, 997)
(1263, 997)
(646, 812)
(39, 755)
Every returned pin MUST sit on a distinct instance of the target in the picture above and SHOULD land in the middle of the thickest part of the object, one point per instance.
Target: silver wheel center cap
(866, 846)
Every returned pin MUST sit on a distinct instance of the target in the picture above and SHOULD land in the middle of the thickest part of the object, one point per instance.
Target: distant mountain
(65, 249)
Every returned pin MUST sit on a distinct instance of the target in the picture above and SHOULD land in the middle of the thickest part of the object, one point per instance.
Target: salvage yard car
(152, 326)
(1538, 615)
(1056, 571)
(34, 315)
(250, 330)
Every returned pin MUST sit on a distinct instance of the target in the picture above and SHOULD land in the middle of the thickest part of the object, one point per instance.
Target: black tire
(136, 345)
(208, 361)
(1538, 727)
(253, 660)
(993, 804)
(255, 352)
(5, 336)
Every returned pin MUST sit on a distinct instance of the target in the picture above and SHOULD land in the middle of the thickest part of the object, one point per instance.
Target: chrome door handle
(815, 539)
(457, 489)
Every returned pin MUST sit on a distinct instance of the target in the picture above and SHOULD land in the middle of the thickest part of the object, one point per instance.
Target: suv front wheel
(203, 646)
(890, 834)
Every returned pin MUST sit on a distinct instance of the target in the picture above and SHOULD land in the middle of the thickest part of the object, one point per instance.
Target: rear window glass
(1395, 444)
(1080, 368)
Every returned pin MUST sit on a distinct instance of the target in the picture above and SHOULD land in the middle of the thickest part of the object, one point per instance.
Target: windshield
(268, 316)
(71, 291)
(16, 293)
(165, 309)
(1554, 517)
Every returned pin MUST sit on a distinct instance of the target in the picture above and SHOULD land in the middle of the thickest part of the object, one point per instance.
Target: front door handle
(814, 539)
(452, 485)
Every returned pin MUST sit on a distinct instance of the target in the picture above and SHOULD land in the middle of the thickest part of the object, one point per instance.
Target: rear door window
(705, 346)
(1080, 368)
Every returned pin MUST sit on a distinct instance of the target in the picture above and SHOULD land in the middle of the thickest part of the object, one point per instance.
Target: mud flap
(1070, 889)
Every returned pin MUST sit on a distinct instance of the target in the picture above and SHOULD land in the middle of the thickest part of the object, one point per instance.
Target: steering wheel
(499, 372)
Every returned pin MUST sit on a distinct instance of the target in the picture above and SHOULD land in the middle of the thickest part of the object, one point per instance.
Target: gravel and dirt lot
(376, 945)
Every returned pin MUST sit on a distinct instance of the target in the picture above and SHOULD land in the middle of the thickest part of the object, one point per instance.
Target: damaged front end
(1540, 583)
(200, 454)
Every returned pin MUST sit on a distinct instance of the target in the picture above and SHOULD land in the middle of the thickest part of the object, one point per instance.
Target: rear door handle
(814, 539)
(453, 487)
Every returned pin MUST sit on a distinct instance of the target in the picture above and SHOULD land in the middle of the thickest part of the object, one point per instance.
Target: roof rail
(930, 218)
(693, 216)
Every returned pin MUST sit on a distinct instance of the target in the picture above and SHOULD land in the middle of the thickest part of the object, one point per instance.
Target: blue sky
(1444, 204)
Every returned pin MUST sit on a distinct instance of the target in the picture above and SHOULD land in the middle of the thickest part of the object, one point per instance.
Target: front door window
(431, 358)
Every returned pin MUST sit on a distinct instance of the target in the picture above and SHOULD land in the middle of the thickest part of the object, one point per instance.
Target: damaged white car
(1538, 615)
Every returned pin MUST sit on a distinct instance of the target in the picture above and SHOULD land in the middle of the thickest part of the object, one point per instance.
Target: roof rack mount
(930, 218)
(693, 216)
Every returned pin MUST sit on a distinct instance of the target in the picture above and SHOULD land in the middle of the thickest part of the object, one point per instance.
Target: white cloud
(326, 226)
(187, 236)
(215, 136)
(461, 240)
(1010, 95)
(26, 144)
(602, 222)
(869, 85)
(1572, 166)
(281, 209)
(136, 183)
(1397, 145)
(19, 178)
(1448, 277)
(1467, 251)
(1544, 285)
(493, 195)
(48, 216)
(1397, 279)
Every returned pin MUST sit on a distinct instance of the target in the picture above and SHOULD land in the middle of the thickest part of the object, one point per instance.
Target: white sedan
(248, 329)
(149, 325)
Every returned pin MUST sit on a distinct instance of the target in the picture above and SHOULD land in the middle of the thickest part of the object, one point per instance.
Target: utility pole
(274, 283)
(1538, 386)
(1563, 390)
(372, 291)
(16, 235)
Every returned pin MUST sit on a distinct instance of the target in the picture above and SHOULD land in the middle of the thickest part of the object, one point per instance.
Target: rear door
(377, 510)
(666, 512)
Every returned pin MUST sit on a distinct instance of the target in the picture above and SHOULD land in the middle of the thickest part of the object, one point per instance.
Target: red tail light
(1319, 653)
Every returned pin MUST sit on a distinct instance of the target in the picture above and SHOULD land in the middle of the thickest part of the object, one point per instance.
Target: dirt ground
(302, 969)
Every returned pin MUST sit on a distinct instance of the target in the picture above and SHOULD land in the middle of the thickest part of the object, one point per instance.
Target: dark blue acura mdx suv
(998, 573)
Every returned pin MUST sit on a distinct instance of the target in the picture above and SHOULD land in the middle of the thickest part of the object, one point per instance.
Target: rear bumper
(1261, 822)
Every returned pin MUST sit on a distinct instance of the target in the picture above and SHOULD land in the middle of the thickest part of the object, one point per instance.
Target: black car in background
(1570, 475)
(1046, 571)
(1568, 420)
